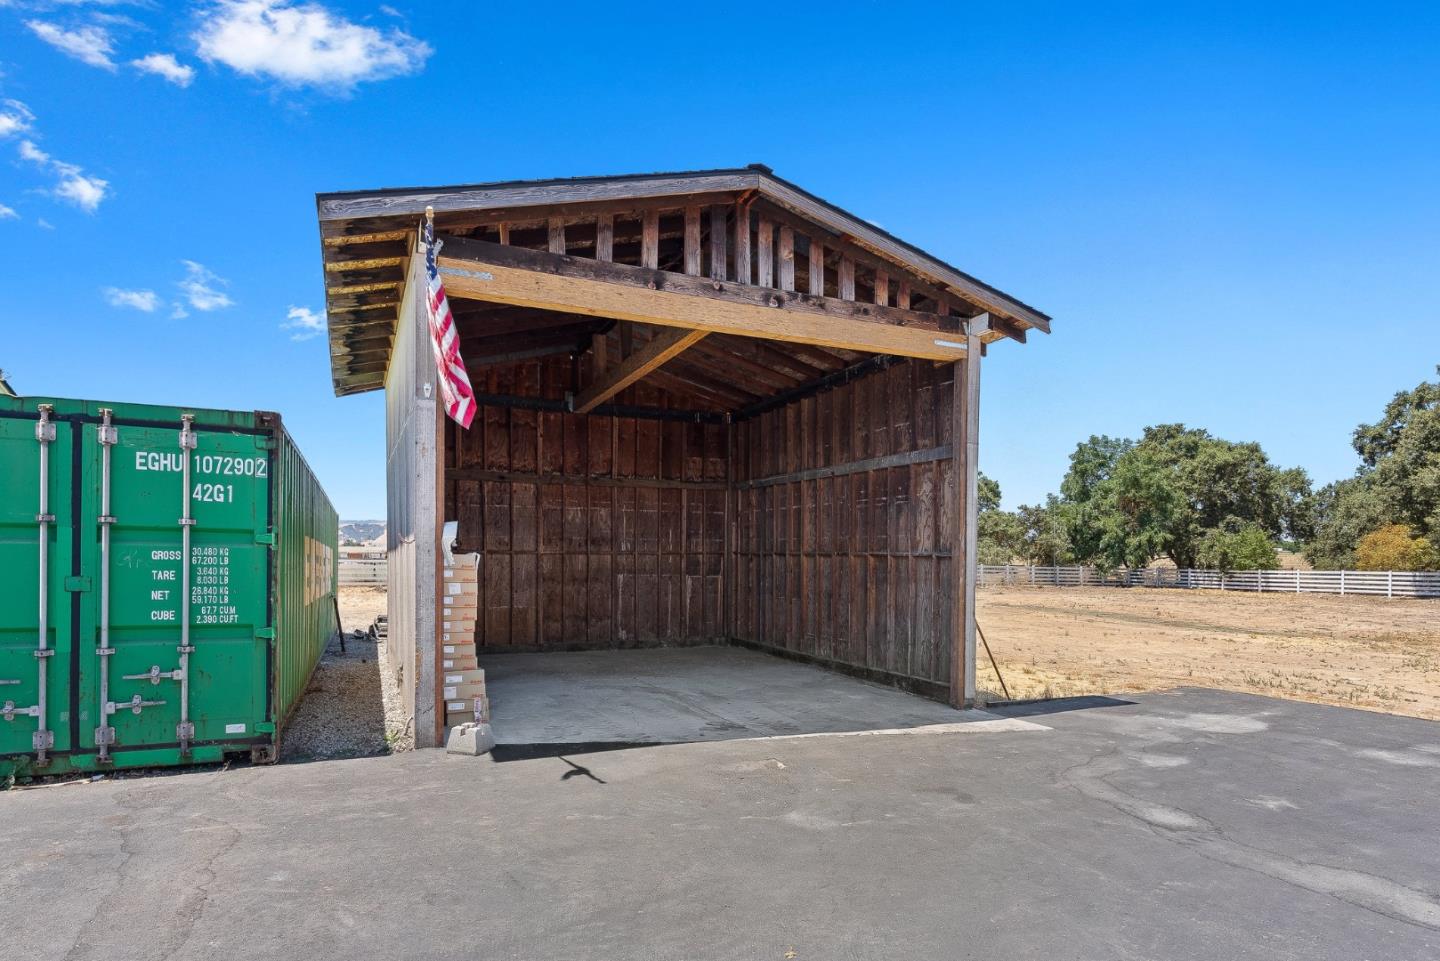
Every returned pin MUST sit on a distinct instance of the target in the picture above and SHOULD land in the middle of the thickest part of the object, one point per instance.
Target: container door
(180, 674)
(37, 556)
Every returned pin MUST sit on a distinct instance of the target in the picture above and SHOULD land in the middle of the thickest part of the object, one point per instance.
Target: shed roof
(366, 238)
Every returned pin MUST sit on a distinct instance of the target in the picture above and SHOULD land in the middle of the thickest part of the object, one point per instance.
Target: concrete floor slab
(680, 695)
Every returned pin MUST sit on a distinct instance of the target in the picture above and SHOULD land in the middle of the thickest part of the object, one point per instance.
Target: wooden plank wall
(854, 567)
(595, 531)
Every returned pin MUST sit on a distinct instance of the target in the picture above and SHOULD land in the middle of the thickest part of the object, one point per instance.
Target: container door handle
(135, 705)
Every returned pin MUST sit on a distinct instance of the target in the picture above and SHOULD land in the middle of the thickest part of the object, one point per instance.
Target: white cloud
(42, 222)
(165, 65)
(32, 153)
(304, 322)
(304, 44)
(89, 43)
(201, 288)
(178, 311)
(8, 213)
(146, 300)
(72, 183)
(82, 190)
(15, 118)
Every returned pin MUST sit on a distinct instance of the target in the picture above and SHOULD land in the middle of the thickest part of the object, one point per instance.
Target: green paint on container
(122, 687)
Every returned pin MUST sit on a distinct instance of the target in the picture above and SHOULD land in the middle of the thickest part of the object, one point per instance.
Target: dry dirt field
(1372, 653)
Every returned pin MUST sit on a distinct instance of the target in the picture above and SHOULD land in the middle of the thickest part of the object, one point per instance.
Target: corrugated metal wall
(307, 531)
(852, 561)
(412, 485)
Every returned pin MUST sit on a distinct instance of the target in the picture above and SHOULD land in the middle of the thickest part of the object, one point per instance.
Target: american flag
(445, 340)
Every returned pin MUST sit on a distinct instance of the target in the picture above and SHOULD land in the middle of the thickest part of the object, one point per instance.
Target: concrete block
(470, 739)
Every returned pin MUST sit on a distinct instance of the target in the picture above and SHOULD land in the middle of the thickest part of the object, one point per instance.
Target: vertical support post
(605, 238)
(107, 435)
(437, 573)
(718, 243)
(44, 738)
(692, 241)
(727, 568)
(965, 430)
(185, 730)
(650, 239)
(742, 243)
(426, 491)
(817, 267)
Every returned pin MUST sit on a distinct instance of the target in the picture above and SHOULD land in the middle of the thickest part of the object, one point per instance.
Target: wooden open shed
(714, 409)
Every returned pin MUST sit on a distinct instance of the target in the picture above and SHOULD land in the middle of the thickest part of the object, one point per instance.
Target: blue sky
(1230, 210)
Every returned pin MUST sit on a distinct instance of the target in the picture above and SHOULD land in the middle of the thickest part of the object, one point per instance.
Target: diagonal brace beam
(662, 348)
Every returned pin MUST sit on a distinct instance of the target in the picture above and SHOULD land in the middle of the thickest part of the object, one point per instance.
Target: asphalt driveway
(1188, 825)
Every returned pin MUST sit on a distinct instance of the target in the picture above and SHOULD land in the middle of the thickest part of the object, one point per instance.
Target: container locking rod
(185, 730)
(44, 738)
(107, 436)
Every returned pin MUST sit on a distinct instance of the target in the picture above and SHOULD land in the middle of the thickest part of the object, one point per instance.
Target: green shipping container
(167, 584)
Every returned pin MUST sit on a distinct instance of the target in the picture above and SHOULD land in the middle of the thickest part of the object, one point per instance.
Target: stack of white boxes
(462, 680)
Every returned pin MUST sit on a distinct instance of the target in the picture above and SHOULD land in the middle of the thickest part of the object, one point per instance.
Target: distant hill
(362, 532)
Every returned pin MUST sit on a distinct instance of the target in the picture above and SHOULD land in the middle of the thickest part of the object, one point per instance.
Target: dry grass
(1372, 653)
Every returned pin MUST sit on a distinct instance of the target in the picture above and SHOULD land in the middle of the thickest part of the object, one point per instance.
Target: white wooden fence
(363, 570)
(1378, 583)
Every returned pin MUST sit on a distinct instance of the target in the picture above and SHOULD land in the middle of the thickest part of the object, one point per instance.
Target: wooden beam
(718, 237)
(556, 237)
(817, 267)
(528, 278)
(847, 278)
(787, 258)
(742, 243)
(650, 239)
(604, 237)
(600, 353)
(662, 348)
(765, 253)
(965, 430)
(692, 241)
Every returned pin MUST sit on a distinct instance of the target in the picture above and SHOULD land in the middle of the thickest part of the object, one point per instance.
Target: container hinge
(9, 711)
(265, 538)
(78, 584)
(265, 633)
(155, 675)
(135, 705)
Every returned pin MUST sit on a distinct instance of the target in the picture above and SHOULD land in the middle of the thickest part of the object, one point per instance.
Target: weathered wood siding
(411, 482)
(844, 526)
(595, 531)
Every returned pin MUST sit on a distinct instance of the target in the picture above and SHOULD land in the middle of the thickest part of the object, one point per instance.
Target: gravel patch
(352, 707)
